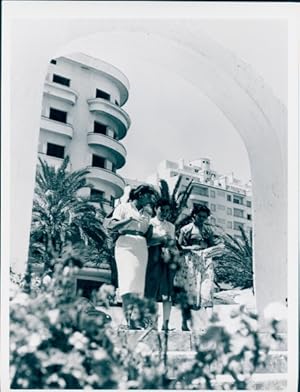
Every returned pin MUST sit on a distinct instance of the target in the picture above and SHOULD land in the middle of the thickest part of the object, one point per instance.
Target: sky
(172, 119)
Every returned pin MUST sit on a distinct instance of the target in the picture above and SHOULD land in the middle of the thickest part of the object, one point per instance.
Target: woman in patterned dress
(195, 278)
(132, 221)
(162, 254)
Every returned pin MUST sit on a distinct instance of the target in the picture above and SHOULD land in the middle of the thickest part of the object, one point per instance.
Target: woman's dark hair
(200, 208)
(162, 202)
(140, 191)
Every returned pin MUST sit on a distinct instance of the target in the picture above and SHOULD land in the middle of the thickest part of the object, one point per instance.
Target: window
(213, 207)
(229, 211)
(221, 193)
(98, 161)
(212, 220)
(187, 178)
(212, 193)
(53, 61)
(221, 221)
(249, 217)
(237, 225)
(248, 202)
(229, 198)
(229, 225)
(100, 128)
(237, 200)
(239, 213)
(198, 190)
(102, 94)
(221, 207)
(61, 80)
(54, 150)
(117, 103)
(97, 195)
(58, 115)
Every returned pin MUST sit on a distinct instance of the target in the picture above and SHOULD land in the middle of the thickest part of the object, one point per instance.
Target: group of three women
(145, 248)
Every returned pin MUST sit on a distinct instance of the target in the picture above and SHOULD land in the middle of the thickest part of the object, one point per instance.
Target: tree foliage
(60, 215)
(236, 264)
(177, 198)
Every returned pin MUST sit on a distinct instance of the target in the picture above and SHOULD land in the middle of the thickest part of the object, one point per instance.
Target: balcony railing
(119, 116)
(61, 92)
(115, 151)
(59, 127)
(113, 180)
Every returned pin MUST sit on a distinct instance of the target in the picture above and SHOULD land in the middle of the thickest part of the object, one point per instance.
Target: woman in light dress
(195, 279)
(132, 221)
(161, 262)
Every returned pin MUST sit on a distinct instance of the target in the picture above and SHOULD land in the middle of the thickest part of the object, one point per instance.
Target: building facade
(227, 197)
(82, 117)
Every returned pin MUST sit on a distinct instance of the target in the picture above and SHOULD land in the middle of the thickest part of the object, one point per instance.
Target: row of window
(61, 116)
(203, 191)
(67, 82)
(57, 151)
(229, 224)
(235, 212)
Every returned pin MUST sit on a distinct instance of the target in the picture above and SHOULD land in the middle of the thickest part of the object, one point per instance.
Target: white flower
(78, 340)
(275, 311)
(53, 315)
(46, 280)
(99, 354)
(34, 340)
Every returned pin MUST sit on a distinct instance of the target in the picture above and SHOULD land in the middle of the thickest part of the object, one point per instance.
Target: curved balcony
(113, 180)
(61, 128)
(113, 111)
(63, 93)
(111, 72)
(108, 147)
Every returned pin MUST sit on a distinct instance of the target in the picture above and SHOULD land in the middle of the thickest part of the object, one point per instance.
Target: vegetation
(60, 341)
(178, 200)
(236, 264)
(61, 216)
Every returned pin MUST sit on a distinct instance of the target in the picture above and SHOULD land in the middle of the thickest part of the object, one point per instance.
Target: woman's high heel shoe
(184, 327)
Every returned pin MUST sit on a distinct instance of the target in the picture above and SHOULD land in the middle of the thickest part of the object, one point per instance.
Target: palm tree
(59, 215)
(236, 264)
(178, 200)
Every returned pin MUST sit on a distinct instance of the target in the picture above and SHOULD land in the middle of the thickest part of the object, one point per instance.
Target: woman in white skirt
(132, 221)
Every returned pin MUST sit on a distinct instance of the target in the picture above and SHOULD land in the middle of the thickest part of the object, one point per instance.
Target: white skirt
(131, 254)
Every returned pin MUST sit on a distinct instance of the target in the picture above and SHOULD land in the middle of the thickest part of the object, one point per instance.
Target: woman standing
(195, 278)
(162, 252)
(131, 220)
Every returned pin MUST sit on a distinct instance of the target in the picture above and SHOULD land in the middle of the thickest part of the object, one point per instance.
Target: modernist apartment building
(228, 199)
(82, 117)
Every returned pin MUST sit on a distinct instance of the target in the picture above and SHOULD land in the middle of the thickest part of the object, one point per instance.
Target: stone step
(276, 362)
(184, 341)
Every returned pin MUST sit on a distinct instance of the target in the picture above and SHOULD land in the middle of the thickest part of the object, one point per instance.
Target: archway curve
(240, 94)
(256, 114)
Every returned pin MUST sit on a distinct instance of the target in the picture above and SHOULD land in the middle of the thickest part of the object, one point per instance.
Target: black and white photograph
(149, 196)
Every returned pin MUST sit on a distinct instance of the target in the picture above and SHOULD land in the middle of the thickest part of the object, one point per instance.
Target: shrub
(59, 340)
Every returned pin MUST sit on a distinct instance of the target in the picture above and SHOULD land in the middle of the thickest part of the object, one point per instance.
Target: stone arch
(258, 117)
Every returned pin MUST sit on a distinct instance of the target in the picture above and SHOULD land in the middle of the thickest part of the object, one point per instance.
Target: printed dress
(196, 273)
(131, 251)
(159, 274)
